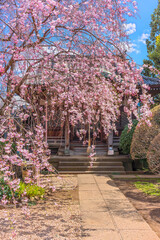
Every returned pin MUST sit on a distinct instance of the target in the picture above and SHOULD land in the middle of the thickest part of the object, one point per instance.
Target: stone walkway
(107, 214)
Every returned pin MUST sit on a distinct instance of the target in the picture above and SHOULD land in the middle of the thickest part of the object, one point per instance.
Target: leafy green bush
(5, 190)
(143, 135)
(149, 188)
(126, 138)
(31, 190)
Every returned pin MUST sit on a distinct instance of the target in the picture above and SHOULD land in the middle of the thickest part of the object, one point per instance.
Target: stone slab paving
(107, 214)
(136, 176)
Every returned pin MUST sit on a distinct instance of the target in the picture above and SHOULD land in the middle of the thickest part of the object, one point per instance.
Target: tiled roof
(151, 80)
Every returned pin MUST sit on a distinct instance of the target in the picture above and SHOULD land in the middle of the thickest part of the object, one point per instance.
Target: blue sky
(139, 29)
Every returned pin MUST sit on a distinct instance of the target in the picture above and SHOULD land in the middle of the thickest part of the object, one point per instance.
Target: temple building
(63, 139)
(69, 154)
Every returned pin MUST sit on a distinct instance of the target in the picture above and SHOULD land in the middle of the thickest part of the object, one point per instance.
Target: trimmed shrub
(143, 135)
(153, 155)
(126, 138)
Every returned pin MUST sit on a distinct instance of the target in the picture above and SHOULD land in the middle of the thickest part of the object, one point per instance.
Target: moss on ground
(149, 188)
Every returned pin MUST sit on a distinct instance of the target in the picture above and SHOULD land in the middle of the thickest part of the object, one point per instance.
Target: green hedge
(126, 138)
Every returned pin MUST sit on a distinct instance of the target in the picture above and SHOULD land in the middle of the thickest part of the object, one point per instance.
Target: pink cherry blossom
(67, 54)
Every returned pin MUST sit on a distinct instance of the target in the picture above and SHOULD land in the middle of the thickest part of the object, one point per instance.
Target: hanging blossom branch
(73, 51)
(21, 145)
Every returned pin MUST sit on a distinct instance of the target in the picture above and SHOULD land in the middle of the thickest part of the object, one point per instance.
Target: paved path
(107, 214)
(136, 176)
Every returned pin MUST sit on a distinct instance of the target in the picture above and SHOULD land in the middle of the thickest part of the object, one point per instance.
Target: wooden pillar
(67, 137)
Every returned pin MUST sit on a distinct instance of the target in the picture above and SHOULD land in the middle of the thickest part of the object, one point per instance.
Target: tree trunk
(67, 136)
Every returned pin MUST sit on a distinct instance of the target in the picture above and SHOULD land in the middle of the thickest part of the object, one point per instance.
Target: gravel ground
(55, 218)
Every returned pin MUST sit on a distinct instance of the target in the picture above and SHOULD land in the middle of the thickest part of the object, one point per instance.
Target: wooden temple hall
(69, 154)
(63, 139)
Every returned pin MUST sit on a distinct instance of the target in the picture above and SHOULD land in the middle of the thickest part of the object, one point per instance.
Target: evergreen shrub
(126, 138)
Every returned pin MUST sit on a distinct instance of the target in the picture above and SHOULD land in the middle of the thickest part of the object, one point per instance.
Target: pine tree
(153, 45)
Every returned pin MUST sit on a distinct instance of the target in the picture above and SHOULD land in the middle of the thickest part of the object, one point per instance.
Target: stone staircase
(82, 164)
(78, 149)
(56, 144)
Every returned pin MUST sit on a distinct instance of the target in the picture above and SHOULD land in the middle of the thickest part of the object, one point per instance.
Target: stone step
(81, 144)
(81, 164)
(86, 158)
(87, 163)
(86, 154)
(93, 172)
(85, 151)
(115, 144)
(116, 141)
(116, 138)
(85, 148)
(89, 168)
(98, 154)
